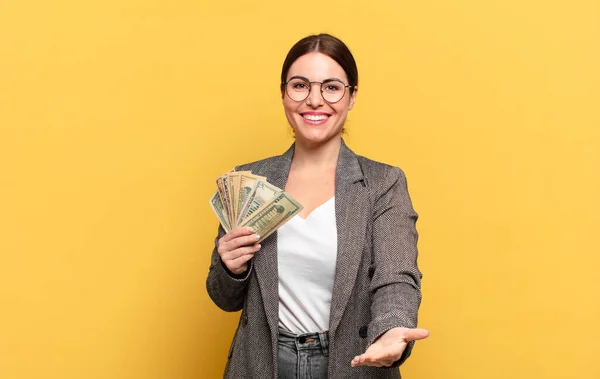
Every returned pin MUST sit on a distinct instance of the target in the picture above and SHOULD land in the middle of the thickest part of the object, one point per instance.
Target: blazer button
(363, 331)
(244, 320)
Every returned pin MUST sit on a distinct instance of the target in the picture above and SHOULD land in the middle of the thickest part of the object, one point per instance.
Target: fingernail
(259, 245)
(257, 237)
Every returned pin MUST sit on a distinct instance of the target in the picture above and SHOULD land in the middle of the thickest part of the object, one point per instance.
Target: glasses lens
(333, 91)
(297, 89)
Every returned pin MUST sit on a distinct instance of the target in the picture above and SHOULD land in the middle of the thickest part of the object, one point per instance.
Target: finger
(242, 241)
(238, 265)
(237, 232)
(362, 360)
(389, 358)
(230, 256)
(239, 262)
(415, 334)
(376, 359)
(370, 363)
(356, 361)
(243, 251)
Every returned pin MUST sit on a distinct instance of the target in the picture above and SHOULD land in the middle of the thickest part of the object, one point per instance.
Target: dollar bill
(262, 194)
(234, 184)
(219, 209)
(223, 197)
(247, 186)
(272, 215)
(227, 202)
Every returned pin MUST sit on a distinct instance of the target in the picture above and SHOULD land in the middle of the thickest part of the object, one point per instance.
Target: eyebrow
(306, 79)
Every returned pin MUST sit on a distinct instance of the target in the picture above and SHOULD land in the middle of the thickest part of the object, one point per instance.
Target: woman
(335, 291)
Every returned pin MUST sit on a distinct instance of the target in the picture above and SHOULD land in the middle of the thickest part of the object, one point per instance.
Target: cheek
(289, 106)
(290, 113)
(342, 109)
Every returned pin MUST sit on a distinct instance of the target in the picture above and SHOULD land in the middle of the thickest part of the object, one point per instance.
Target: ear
(353, 98)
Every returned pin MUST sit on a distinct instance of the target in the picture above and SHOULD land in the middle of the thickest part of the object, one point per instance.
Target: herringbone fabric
(377, 281)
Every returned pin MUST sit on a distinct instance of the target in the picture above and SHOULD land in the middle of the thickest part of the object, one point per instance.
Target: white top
(306, 254)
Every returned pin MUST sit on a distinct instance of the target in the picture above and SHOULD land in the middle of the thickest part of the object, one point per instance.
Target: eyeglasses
(298, 89)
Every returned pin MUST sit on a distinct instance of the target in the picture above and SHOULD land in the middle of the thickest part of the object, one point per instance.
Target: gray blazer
(377, 281)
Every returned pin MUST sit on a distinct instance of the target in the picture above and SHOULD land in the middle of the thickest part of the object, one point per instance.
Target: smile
(315, 119)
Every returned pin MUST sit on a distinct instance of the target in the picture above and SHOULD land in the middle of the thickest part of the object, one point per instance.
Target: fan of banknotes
(247, 200)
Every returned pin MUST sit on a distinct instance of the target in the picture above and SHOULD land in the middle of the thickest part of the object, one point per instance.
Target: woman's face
(314, 120)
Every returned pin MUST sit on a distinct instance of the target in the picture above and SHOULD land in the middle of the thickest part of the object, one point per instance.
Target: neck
(320, 156)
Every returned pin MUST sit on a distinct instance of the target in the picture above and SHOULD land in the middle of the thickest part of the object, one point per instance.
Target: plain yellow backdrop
(116, 116)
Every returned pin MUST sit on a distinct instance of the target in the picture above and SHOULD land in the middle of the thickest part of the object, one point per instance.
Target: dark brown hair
(324, 44)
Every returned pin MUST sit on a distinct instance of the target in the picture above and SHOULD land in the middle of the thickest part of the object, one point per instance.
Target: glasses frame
(310, 85)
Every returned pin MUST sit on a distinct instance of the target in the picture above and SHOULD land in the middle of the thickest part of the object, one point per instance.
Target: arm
(396, 281)
(226, 289)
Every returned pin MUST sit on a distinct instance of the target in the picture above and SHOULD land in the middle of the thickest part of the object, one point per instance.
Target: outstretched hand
(388, 348)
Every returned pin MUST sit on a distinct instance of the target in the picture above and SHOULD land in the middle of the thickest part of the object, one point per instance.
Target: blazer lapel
(351, 207)
(265, 261)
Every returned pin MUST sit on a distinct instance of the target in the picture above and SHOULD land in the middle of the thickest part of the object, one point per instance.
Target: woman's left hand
(388, 348)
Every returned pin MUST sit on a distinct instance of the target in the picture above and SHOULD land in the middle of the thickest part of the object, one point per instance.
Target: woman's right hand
(237, 247)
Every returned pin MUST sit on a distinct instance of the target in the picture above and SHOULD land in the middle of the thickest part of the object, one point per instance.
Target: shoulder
(380, 176)
(387, 186)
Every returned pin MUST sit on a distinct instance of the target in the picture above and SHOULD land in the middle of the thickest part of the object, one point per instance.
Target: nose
(314, 98)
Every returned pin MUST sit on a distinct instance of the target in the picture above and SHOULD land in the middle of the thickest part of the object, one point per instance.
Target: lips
(315, 117)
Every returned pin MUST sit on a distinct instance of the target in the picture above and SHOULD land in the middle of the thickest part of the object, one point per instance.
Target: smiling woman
(335, 294)
(327, 108)
(326, 56)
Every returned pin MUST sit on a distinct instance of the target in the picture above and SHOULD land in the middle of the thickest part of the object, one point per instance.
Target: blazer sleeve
(396, 281)
(226, 289)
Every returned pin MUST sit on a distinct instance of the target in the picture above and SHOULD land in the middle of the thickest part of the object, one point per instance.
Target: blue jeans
(302, 356)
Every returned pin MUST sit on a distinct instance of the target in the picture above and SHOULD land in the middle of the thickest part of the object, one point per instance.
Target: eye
(298, 85)
(332, 87)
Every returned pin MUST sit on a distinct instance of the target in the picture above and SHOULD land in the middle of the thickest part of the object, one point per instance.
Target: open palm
(388, 348)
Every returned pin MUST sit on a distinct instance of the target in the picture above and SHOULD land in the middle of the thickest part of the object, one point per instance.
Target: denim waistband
(306, 341)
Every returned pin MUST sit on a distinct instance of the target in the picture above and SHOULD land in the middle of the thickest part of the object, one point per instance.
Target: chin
(316, 138)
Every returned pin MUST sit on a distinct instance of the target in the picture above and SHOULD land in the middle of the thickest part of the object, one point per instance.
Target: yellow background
(116, 116)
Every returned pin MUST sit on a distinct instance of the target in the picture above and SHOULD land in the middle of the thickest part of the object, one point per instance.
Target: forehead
(317, 67)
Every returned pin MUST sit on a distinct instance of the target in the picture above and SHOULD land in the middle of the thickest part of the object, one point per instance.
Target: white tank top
(306, 254)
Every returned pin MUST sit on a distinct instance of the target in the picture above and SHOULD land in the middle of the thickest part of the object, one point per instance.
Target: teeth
(315, 117)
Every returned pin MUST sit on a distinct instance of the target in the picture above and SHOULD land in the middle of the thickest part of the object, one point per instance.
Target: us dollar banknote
(262, 194)
(247, 184)
(272, 215)
(219, 209)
